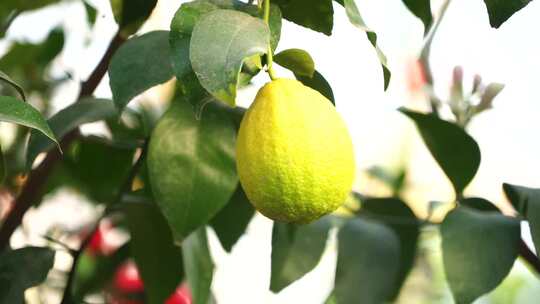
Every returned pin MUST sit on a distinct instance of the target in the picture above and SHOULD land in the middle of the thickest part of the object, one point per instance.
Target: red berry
(127, 279)
(181, 295)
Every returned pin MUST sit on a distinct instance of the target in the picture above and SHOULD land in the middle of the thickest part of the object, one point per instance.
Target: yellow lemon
(294, 153)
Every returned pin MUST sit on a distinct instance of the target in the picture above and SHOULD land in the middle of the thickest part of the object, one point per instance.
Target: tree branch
(32, 188)
(526, 253)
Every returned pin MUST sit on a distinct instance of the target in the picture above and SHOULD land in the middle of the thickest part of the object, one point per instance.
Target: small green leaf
(159, 261)
(231, 222)
(422, 10)
(141, 63)
(296, 60)
(91, 13)
(296, 250)
(356, 19)
(368, 262)
(84, 111)
(16, 111)
(131, 14)
(398, 216)
(500, 11)
(318, 83)
(527, 203)
(317, 16)
(21, 269)
(5, 78)
(479, 249)
(199, 266)
(220, 43)
(191, 166)
(454, 150)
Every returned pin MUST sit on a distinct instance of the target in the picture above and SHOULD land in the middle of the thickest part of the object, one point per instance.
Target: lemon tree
(166, 175)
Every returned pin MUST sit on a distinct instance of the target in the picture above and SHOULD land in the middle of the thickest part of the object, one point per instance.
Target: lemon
(294, 153)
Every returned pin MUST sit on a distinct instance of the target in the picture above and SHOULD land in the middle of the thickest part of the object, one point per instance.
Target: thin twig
(526, 253)
(36, 180)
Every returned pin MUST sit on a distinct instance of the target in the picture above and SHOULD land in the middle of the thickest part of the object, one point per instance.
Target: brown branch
(526, 253)
(32, 188)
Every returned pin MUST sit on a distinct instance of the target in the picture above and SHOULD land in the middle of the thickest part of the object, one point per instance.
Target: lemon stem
(269, 55)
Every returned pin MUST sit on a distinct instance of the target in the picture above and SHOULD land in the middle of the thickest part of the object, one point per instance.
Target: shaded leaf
(68, 119)
(198, 265)
(501, 10)
(220, 42)
(191, 166)
(356, 19)
(131, 14)
(422, 10)
(159, 261)
(398, 216)
(21, 269)
(5, 78)
(296, 250)
(140, 64)
(296, 60)
(231, 222)
(91, 13)
(368, 262)
(527, 202)
(317, 16)
(16, 111)
(479, 249)
(479, 203)
(454, 150)
(318, 83)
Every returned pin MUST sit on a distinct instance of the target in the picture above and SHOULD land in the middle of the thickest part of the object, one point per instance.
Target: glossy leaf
(5, 78)
(398, 216)
(454, 150)
(131, 14)
(527, 202)
(356, 19)
(500, 11)
(158, 259)
(21, 269)
(296, 250)
(296, 60)
(368, 262)
(16, 111)
(84, 111)
(198, 265)
(422, 10)
(220, 43)
(140, 64)
(318, 83)
(231, 222)
(317, 16)
(479, 249)
(191, 166)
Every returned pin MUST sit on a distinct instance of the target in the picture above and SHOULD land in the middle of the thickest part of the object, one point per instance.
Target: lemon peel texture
(294, 153)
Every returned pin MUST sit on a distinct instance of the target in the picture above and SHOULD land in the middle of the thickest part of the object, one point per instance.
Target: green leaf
(316, 16)
(527, 203)
(296, 250)
(84, 111)
(140, 64)
(220, 43)
(3, 171)
(318, 83)
(16, 111)
(479, 203)
(479, 249)
(422, 10)
(131, 14)
(21, 269)
(12, 8)
(356, 19)
(199, 266)
(159, 261)
(454, 150)
(191, 166)
(368, 262)
(93, 272)
(501, 10)
(296, 60)
(91, 13)
(5, 78)
(398, 216)
(231, 222)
